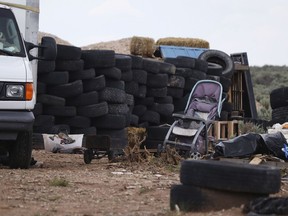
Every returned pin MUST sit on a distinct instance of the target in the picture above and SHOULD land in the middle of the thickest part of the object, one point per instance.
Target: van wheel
(20, 151)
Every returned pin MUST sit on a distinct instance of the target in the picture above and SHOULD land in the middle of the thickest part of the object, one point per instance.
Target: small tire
(88, 155)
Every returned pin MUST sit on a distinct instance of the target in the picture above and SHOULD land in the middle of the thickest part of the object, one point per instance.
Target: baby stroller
(189, 132)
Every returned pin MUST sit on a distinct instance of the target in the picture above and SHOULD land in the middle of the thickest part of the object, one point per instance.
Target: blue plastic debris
(174, 51)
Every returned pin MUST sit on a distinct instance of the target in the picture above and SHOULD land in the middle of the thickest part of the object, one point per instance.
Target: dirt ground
(99, 188)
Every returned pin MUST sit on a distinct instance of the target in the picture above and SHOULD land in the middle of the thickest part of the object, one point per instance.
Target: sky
(257, 27)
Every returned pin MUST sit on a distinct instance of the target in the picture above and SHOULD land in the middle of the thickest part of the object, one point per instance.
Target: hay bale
(142, 46)
(187, 42)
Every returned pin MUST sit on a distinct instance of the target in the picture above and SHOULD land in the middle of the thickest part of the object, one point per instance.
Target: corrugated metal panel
(174, 51)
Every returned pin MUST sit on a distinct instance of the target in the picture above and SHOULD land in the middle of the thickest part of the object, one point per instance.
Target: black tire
(157, 92)
(132, 88)
(68, 52)
(82, 74)
(221, 58)
(199, 64)
(167, 68)
(45, 66)
(54, 78)
(112, 72)
(67, 90)
(129, 100)
(41, 120)
(175, 92)
(147, 101)
(151, 117)
(110, 121)
(214, 69)
(189, 83)
(93, 110)
(197, 74)
(142, 92)
(181, 62)
(121, 109)
(163, 100)
(88, 156)
(157, 80)
(127, 75)
(163, 109)
(75, 121)
(112, 95)
(189, 198)
(51, 100)
(69, 65)
(134, 120)
(98, 58)
(55, 129)
(280, 112)
(41, 88)
(279, 97)
(151, 65)
(231, 176)
(157, 132)
(213, 77)
(60, 110)
(94, 84)
(184, 72)
(38, 109)
(84, 131)
(140, 76)
(176, 81)
(123, 62)
(137, 62)
(118, 84)
(84, 99)
(139, 110)
(20, 152)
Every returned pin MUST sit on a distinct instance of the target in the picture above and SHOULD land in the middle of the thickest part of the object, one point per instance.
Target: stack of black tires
(102, 92)
(279, 105)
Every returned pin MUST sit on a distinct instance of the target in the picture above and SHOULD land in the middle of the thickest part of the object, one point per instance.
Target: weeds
(59, 182)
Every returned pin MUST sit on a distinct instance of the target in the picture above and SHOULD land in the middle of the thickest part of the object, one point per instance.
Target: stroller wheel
(195, 156)
(88, 155)
(111, 155)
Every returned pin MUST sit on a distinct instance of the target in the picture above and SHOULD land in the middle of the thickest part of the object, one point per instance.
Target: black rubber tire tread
(118, 84)
(111, 72)
(157, 80)
(95, 84)
(175, 92)
(151, 65)
(189, 198)
(68, 52)
(184, 72)
(213, 77)
(127, 75)
(142, 93)
(157, 92)
(137, 62)
(199, 64)
(37, 141)
(163, 109)
(226, 83)
(88, 156)
(93, 110)
(176, 81)
(85, 131)
(112, 95)
(151, 117)
(139, 110)
(38, 109)
(20, 152)
(167, 68)
(41, 88)
(279, 97)
(147, 101)
(214, 69)
(45, 66)
(69, 65)
(110, 121)
(75, 121)
(67, 90)
(134, 120)
(189, 83)
(122, 109)
(197, 74)
(82, 74)
(60, 110)
(41, 120)
(180, 103)
(181, 62)
(280, 112)
(139, 76)
(83, 99)
(54, 78)
(132, 88)
(157, 132)
(221, 58)
(98, 58)
(163, 100)
(129, 100)
(123, 62)
(47, 99)
(229, 176)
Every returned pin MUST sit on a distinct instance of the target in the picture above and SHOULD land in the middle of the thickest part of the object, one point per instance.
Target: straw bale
(142, 46)
(187, 42)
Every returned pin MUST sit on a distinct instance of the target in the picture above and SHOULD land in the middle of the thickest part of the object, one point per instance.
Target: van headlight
(15, 91)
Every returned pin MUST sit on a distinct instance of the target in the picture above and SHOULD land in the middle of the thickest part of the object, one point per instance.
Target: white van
(17, 88)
